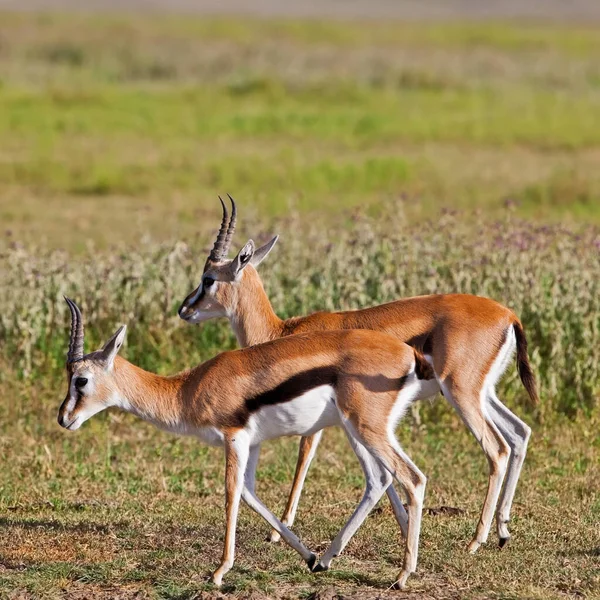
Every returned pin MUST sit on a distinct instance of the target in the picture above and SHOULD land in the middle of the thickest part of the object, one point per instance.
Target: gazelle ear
(261, 253)
(243, 257)
(112, 347)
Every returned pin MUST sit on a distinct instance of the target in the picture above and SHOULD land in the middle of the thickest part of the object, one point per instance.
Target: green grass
(122, 507)
(161, 113)
(394, 160)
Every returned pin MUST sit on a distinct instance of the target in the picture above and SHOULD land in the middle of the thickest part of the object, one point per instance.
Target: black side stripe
(303, 382)
(293, 387)
(287, 390)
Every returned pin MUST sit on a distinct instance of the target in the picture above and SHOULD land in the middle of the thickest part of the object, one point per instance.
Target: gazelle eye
(80, 382)
(208, 281)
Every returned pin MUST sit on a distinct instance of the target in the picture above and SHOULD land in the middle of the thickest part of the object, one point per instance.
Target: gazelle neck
(151, 397)
(252, 317)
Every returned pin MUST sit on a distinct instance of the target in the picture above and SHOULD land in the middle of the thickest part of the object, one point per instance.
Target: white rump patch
(499, 365)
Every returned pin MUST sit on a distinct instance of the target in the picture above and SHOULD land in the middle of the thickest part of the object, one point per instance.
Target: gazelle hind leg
(398, 509)
(471, 409)
(306, 452)
(395, 460)
(426, 390)
(378, 480)
(517, 434)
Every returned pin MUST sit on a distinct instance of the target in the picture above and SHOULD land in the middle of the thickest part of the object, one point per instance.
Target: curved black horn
(218, 249)
(76, 339)
(231, 226)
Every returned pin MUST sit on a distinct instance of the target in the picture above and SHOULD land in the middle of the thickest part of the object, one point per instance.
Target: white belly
(303, 415)
(209, 435)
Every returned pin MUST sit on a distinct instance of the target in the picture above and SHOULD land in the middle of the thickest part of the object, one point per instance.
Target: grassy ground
(102, 117)
(121, 508)
(116, 133)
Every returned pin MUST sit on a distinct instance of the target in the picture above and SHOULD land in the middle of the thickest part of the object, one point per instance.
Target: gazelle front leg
(257, 506)
(236, 459)
(306, 452)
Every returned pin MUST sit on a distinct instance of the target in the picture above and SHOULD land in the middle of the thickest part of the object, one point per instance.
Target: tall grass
(129, 110)
(549, 275)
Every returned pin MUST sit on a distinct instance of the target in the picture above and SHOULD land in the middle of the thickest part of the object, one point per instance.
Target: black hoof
(311, 561)
(319, 567)
(503, 541)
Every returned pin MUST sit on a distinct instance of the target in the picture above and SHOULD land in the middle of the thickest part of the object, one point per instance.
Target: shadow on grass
(581, 552)
(55, 525)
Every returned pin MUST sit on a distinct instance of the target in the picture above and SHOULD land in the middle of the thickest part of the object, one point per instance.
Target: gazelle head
(216, 294)
(90, 377)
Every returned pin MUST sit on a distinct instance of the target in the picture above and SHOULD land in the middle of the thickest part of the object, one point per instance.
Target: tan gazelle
(361, 381)
(468, 340)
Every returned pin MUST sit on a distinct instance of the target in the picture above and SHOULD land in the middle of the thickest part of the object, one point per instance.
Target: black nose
(182, 312)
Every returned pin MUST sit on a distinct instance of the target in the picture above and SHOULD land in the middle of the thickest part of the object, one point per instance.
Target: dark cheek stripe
(200, 297)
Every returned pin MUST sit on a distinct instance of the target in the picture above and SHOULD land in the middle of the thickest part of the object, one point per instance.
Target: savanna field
(393, 159)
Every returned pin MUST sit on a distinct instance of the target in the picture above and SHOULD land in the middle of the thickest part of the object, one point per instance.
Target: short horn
(76, 338)
(231, 226)
(219, 248)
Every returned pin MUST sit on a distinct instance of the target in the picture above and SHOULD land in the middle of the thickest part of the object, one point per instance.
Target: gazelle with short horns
(468, 340)
(361, 381)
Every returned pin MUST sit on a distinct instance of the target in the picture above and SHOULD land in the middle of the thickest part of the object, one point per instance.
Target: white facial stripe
(88, 411)
(202, 315)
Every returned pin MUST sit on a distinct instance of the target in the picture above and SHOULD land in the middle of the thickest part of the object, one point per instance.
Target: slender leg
(428, 389)
(408, 475)
(495, 448)
(236, 458)
(517, 434)
(250, 498)
(308, 447)
(398, 509)
(378, 480)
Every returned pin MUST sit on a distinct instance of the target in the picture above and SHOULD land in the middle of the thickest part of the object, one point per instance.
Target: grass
(125, 508)
(154, 115)
(394, 160)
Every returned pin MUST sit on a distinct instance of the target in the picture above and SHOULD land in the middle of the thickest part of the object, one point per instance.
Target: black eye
(80, 382)
(208, 281)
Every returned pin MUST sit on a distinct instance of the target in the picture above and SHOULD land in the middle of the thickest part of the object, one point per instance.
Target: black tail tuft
(523, 366)
(422, 368)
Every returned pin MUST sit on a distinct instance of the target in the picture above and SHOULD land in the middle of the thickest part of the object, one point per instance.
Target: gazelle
(468, 340)
(360, 380)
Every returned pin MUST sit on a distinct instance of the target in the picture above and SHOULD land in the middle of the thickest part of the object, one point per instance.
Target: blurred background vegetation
(394, 157)
(114, 126)
(119, 130)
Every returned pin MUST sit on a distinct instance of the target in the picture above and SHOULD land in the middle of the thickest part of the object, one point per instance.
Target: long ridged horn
(218, 249)
(230, 227)
(76, 339)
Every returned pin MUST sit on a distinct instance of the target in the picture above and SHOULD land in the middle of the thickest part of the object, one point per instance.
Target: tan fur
(463, 335)
(365, 369)
(211, 393)
(461, 329)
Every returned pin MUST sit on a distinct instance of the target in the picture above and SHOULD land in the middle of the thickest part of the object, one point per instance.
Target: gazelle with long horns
(361, 381)
(468, 340)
